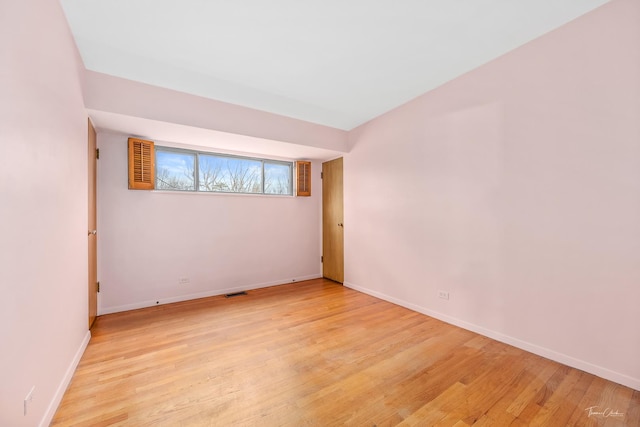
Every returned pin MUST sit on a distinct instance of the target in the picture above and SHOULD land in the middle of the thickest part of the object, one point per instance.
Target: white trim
(215, 292)
(66, 379)
(605, 373)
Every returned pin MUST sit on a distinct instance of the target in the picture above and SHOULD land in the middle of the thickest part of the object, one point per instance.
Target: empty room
(365, 213)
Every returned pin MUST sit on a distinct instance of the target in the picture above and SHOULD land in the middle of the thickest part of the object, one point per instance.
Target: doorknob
(94, 232)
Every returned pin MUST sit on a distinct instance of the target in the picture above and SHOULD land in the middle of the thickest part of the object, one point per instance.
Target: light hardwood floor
(318, 354)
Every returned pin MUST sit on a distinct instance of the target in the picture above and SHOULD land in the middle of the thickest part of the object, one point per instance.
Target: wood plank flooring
(318, 354)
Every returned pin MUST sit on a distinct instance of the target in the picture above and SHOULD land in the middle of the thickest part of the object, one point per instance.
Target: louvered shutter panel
(141, 164)
(303, 172)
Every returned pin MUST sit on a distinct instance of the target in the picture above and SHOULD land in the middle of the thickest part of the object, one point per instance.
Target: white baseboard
(211, 293)
(66, 379)
(599, 371)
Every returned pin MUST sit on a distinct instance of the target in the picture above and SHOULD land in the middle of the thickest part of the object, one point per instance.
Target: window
(175, 170)
(187, 170)
(229, 174)
(277, 178)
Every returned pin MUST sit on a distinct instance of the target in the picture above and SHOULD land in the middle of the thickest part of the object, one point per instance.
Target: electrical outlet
(184, 281)
(443, 295)
(28, 399)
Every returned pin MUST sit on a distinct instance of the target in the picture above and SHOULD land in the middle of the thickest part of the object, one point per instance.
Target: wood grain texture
(142, 161)
(92, 281)
(333, 221)
(318, 354)
(303, 178)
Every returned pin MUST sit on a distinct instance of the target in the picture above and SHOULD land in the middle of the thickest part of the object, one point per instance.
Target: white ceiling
(338, 63)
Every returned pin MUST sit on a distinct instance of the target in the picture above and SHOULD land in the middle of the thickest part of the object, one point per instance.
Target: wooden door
(332, 221)
(92, 227)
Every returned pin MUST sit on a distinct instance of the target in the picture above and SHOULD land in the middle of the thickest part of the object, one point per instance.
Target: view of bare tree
(243, 177)
(211, 177)
(167, 181)
(222, 174)
(278, 185)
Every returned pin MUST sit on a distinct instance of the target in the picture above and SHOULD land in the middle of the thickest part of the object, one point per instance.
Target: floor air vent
(235, 294)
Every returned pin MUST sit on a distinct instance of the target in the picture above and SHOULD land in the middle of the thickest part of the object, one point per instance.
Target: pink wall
(116, 95)
(515, 188)
(43, 212)
(222, 243)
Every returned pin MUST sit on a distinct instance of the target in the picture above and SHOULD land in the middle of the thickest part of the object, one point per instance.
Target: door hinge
(321, 175)
(98, 153)
(97, 286)
(321, 259)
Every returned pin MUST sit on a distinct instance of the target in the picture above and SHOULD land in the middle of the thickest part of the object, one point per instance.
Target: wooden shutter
(303, 172)
(141, 164)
